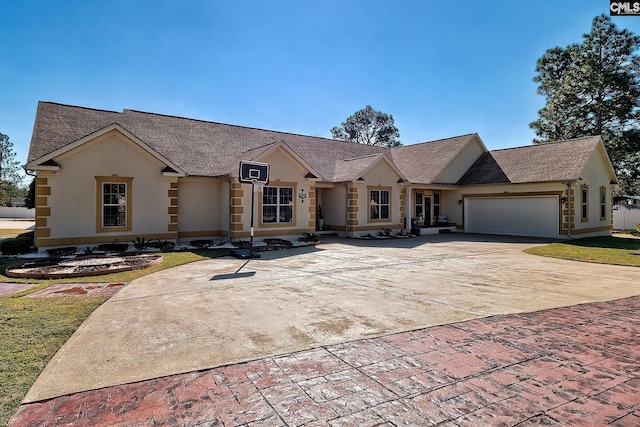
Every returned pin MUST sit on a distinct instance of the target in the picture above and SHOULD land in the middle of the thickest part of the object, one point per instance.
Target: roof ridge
(437, 140)
(79, 107)
(545, 143)
(231, 125)
(362, 157)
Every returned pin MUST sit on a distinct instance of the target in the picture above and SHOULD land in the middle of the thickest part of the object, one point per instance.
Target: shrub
(113, 247)
(201, 244)
(18, 245)
(27, 237)
(57, 252)
(14, 247)
(163, 245)
(636, 232)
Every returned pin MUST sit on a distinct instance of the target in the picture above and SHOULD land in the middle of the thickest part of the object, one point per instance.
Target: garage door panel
(517, 216)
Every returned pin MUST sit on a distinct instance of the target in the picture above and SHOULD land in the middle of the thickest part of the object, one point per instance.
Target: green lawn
(33, 329)
(603, 250)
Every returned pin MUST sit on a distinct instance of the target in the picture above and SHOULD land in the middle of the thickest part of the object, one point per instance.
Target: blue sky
(440, 68)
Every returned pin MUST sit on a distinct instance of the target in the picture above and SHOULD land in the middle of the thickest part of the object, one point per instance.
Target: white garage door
(515, 216)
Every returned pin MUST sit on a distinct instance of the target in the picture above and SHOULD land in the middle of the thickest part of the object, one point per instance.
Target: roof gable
(422, 163)
(44, 161)
(263, 152)
(553, 161)
(354, 169)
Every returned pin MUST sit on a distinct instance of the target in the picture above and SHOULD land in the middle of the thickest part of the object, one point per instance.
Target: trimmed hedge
(18, 245)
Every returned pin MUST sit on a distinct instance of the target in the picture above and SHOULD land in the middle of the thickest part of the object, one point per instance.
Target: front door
(422, 209)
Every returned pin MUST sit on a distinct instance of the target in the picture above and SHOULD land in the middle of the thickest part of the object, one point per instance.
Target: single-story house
(106, 176)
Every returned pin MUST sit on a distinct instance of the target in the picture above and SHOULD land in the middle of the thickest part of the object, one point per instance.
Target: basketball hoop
(256, 174)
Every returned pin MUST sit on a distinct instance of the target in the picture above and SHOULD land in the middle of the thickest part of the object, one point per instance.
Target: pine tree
(593, 88)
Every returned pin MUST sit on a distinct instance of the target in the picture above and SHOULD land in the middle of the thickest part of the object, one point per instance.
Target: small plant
(636, 232)
(201, 244)
(386, 232)
(163, 245)
(241, 244)
(140, 244)
(320, 212)
(65, 251)
(309, 237)
(113, 247)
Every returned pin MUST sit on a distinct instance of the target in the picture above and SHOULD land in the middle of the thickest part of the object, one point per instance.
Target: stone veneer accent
(43, 211)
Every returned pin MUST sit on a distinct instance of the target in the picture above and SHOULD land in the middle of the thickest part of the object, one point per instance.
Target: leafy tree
(370, 127)
(593, 88)
(10, 172)
(30, 198)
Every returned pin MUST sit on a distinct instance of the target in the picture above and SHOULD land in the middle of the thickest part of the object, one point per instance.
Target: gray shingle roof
(422, 163)
(202, 148)
(351, 169)
(552, 161)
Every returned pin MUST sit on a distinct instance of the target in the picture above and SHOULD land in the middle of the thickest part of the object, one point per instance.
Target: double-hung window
(584, 203)
(379, 204)
(113, 207)
(603, 203)
(277, 205)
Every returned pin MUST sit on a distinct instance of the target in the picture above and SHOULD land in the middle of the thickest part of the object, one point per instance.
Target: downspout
(230, 212)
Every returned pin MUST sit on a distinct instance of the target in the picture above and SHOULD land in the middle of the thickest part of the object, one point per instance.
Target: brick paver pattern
(577, 365)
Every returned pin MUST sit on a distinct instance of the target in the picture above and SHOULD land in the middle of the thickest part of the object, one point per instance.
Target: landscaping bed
(78, 266)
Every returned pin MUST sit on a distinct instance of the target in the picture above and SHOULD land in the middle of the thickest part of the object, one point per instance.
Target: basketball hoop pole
(256, 174)
(253, 197)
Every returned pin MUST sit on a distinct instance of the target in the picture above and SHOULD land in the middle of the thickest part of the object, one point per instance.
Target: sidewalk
(577, 365)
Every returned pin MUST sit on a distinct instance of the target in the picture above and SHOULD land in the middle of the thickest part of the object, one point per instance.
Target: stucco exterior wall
(72, 199)
(594, 176)
(200, 208)
(379, 177)
(285, 171)
(334, 206)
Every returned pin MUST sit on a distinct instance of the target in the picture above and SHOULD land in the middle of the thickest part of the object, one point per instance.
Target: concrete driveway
(223, 311)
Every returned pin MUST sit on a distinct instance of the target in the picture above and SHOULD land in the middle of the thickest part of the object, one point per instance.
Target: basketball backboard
(254, 172)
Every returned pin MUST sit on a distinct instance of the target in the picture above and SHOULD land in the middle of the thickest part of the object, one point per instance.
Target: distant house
(18, 202)
(105, 176)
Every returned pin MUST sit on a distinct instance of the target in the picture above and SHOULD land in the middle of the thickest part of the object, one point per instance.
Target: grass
(33, 329)
(602, 250)
(10, 232)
